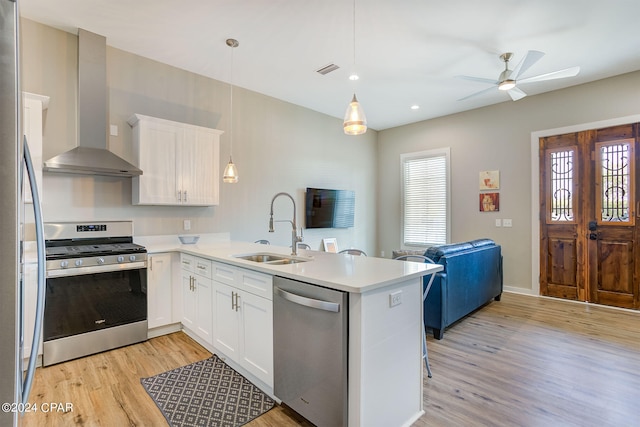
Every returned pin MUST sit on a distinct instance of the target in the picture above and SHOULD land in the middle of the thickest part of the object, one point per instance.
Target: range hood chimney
(91, 156)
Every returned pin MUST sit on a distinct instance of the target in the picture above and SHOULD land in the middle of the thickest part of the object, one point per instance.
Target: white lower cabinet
(159, 290)
(196, 296)
(243, 319)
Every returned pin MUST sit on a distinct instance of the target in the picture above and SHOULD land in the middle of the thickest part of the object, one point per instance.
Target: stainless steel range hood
(91, 156)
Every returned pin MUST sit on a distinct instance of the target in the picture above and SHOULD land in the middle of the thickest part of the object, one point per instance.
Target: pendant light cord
(354, 36)
(231, 108)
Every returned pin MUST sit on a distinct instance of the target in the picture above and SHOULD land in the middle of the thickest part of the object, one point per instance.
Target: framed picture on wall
(489, 180)
(489, 202)
(330, 244)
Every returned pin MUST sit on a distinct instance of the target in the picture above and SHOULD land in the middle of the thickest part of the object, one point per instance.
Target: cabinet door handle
(179, 195)
(151, 263)
(237, 301)
(233, 300)
(185, 195)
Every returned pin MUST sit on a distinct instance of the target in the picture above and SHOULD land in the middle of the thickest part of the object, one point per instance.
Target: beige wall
(282, 147)
(490, 138)
(277, 147)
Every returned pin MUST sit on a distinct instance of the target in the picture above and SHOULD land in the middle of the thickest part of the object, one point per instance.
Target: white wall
(277, 147)
(490, 138)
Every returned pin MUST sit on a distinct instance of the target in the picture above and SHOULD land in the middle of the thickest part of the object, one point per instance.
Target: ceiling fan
(508, 79)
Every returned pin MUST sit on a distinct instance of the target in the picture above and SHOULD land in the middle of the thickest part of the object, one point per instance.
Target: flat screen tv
(329, 208)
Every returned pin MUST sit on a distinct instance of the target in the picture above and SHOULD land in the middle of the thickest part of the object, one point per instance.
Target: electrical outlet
(498, 222)
(113, 130)
(395, 298)
(507, 223)
(186, 224)
(382, 254)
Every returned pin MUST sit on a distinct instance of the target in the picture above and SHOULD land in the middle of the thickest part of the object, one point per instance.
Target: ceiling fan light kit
(509, 79)
(507, 84)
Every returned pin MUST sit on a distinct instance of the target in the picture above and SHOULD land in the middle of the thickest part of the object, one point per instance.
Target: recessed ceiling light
(415, 107)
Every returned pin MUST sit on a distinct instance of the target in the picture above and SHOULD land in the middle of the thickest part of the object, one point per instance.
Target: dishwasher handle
(308, 302)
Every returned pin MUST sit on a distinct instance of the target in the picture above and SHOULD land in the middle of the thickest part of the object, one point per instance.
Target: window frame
(406, 157)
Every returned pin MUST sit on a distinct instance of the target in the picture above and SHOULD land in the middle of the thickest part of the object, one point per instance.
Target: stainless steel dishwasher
(310, 350)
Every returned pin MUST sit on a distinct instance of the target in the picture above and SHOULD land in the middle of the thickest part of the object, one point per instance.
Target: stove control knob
(100, 260)
(78, 262)
(64, 264)
(132, 258)
(120, 258)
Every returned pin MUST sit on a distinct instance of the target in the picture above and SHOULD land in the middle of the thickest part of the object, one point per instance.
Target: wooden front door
(588, 208)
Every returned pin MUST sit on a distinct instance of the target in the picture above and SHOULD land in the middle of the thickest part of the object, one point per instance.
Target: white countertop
(344, 272)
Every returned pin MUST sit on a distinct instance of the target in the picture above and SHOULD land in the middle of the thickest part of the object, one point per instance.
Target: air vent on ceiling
(327, 69)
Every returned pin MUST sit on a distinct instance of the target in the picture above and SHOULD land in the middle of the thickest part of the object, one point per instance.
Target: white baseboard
(164, 330)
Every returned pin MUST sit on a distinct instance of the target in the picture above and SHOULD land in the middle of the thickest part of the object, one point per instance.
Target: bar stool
(422, 258)
(353, 251)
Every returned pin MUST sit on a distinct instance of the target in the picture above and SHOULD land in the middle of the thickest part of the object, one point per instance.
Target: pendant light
(355, 122)
(230, 175)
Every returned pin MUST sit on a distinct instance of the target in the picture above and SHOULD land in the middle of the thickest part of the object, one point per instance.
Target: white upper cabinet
(32, 118)
(180, 163)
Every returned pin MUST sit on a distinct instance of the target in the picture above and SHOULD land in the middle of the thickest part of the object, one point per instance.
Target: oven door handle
(94, 269)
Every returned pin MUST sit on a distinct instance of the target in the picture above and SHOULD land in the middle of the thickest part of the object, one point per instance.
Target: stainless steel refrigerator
(15, 382)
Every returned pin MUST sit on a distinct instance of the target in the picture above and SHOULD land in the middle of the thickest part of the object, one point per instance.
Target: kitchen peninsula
(384, 333)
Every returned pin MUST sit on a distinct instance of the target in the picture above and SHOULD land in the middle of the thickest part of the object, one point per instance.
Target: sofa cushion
(482, 242)
(436, 252)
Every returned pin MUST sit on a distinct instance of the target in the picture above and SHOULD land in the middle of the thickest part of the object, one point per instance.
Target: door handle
(593, 236)
(234, 301)
(593, 225)
(308, 302)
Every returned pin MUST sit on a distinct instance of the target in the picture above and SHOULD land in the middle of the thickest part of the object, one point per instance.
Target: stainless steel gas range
(96, 289)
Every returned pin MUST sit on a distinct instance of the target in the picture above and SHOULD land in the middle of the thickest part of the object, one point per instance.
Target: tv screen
(329, 208)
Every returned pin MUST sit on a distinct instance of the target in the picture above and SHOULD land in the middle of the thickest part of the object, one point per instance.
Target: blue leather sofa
(471, 278)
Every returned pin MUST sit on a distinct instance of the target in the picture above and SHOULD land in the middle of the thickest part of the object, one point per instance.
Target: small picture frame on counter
(330, 244)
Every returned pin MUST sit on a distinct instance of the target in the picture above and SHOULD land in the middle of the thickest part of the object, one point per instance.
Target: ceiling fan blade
(516, 94)
(560, 74)
(529, 59)
(478, 79)
(478, 93)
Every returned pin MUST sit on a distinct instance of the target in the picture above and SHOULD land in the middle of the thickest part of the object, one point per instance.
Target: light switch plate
(506, 223)
(498, 222)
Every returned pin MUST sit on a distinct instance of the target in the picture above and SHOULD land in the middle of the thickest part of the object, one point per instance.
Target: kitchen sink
(271, 259)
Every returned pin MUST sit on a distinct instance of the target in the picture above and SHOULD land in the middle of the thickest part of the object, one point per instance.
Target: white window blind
(425, 198)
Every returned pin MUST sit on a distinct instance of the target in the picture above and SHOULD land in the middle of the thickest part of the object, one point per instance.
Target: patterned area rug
(206, 393)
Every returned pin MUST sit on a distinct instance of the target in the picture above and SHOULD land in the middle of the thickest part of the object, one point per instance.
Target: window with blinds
(425, 198)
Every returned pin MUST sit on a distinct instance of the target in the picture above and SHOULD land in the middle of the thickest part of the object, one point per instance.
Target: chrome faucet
(294, 232)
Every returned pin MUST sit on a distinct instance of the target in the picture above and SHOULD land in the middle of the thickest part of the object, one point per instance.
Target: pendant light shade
(230, 175)
(355, 122)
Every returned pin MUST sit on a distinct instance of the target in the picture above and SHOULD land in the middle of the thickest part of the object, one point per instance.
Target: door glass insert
(561, 183)
(614, 182)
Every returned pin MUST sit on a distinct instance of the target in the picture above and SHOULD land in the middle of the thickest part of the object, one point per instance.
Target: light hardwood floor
(523, 361)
